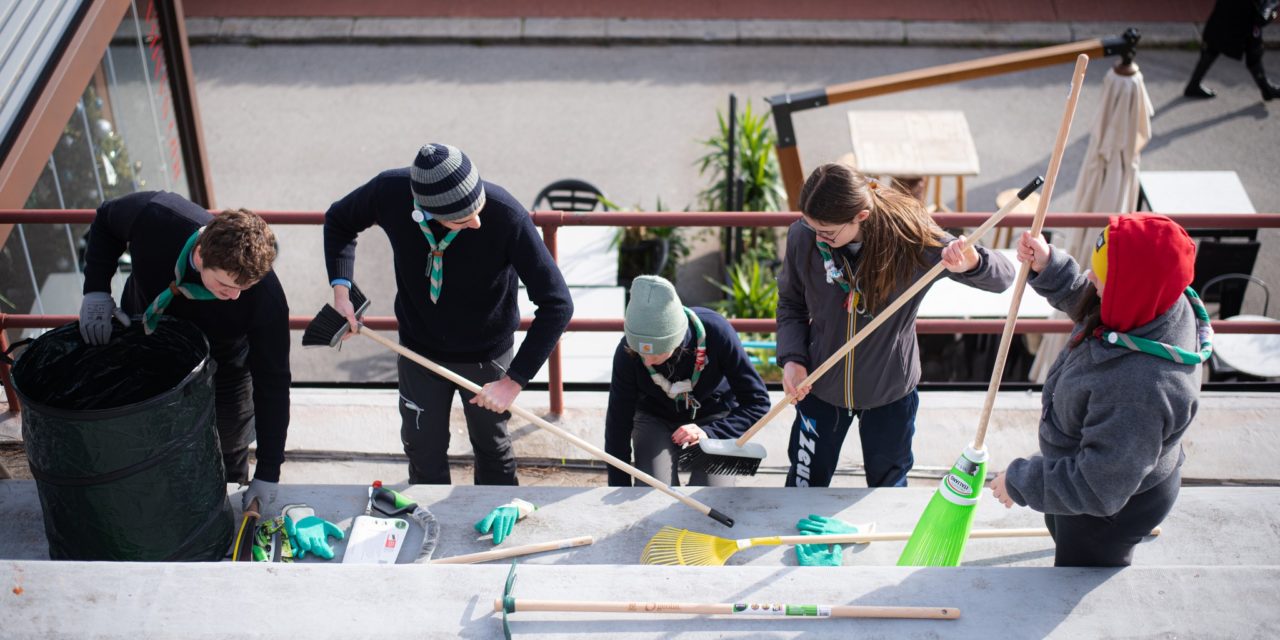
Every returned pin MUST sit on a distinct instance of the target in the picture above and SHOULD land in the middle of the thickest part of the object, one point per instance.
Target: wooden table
(928, 144)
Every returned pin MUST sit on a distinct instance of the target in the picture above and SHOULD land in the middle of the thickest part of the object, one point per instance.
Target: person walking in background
(1119, 399)
(1234, 29)
(680, 374)
(857, 246)
(214, 271)
(461, 246)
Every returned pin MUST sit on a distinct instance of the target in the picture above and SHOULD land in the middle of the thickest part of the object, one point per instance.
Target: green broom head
(940, 536)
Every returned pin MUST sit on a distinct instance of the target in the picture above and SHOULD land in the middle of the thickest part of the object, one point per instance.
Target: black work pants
(1092, 541)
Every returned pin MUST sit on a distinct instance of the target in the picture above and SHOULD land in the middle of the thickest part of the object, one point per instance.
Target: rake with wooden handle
(509, 604)
(943, 528)
(672, 546)
(522, 550)
(327, 328)
(735, 457)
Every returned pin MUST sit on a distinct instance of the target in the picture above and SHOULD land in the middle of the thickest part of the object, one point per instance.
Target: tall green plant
(752, 292)
(754, 162)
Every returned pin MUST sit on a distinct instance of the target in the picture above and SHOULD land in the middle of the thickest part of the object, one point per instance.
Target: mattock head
(508, 601)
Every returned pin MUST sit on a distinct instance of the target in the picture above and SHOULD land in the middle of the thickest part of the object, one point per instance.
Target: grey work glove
(95, 317)
(264, 491)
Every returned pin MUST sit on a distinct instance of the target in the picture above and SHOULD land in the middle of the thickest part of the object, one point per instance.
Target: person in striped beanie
(1119, 399)
(460, 246)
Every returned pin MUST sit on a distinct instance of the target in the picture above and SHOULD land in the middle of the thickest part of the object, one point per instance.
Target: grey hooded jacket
(1113, 419)
(813, 323)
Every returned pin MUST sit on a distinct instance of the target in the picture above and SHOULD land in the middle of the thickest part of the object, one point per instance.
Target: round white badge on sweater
(417, 216)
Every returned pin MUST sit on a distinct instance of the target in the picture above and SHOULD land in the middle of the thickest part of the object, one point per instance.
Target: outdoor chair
(572, 194)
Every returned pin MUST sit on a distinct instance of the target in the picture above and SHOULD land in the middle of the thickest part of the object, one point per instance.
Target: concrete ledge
(447, 29)
(975, 33)
(649, 31)
(625, 30)
(1208, 526)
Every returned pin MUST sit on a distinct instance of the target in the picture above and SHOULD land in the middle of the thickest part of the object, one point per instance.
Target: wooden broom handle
(1055, 160)
(863, 538)
(522, 550)
(837, 610)
(881, 317)
(539, 422)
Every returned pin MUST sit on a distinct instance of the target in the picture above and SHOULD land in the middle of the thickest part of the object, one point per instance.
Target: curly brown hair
(239, 242)
(893, 235)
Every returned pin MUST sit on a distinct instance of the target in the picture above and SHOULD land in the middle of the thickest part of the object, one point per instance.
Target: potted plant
(649, 250)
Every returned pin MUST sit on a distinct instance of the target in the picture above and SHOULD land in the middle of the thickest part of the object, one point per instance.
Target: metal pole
(555, 375)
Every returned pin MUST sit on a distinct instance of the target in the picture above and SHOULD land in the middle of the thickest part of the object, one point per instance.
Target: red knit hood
(1150, 263)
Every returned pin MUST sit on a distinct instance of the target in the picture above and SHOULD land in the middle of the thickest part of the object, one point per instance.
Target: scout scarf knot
(835, 275)
(189, 290)
(682, 391)
(1204, 335)
(435, 271)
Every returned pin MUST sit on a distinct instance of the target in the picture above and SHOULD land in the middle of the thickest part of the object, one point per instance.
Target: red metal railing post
(555, 374)
(10, 394)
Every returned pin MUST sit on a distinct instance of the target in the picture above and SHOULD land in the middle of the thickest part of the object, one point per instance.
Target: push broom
(940, 535)
(739, 457)
(509, 604)
(672, 546)
(329, 326)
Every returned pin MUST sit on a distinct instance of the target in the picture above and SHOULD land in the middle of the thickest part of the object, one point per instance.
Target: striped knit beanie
(445, 184)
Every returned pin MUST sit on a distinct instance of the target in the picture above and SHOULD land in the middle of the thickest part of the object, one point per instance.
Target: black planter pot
(647, 257)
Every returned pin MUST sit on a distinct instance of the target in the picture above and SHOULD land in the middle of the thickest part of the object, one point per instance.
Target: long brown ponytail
(893, 235)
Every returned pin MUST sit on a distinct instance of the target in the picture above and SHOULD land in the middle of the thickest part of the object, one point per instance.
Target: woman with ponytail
(1118, 400)
(858, 245)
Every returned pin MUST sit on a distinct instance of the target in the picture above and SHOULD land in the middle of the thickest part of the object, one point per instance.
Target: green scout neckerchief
(682, 391)
(1204, 334)
(436, 271)
(189, 290)
(835, 275)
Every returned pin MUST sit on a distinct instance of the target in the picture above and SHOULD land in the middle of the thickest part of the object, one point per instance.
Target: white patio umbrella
(1108, 181)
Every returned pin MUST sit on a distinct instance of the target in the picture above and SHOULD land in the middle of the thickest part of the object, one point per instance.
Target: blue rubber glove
(822, 525)
(503, 519)
(819, 555)
(309, 533)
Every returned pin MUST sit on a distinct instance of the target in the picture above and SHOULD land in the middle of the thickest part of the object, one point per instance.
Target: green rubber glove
(822, 525)
(819, 555)
(309, 533)
(503, 519)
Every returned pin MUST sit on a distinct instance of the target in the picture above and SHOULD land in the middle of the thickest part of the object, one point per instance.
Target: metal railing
(551, 221)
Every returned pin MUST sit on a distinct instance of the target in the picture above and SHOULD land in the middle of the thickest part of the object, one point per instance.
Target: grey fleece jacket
(813, 323)
(1113, 419)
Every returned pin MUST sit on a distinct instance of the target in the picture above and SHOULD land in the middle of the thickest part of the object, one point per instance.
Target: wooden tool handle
(1055, 160)
(888, 311)
(522, 550)
(745, 610)
(887, 536)
(539, 422)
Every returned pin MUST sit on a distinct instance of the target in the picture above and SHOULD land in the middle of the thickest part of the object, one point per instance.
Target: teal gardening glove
(819, 555)
(308, 532)
(503, 519)
(822, 525)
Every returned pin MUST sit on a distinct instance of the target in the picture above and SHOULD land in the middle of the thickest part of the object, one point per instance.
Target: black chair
(1216, 258)
(572, 195)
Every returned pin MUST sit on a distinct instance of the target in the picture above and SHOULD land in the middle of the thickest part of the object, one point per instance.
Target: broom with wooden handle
(329, 325)
(522, 550)
(509, 604)
(672, 546)
(940, 535)
(735, 457)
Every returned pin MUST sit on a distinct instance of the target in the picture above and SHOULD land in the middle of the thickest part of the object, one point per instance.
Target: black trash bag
(122, 443)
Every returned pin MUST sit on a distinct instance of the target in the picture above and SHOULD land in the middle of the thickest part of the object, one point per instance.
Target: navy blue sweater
(154, 226)
(728, 383)
(476, 316)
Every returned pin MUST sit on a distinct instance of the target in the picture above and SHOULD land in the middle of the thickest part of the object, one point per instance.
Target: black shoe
(1198, 90)
(1269, 91)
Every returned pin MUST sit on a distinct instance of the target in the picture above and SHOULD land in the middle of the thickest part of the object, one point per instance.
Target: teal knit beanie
(655, 322)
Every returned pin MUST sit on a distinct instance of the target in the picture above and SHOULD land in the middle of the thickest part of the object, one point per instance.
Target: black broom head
(722, 457)
(329, 326)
